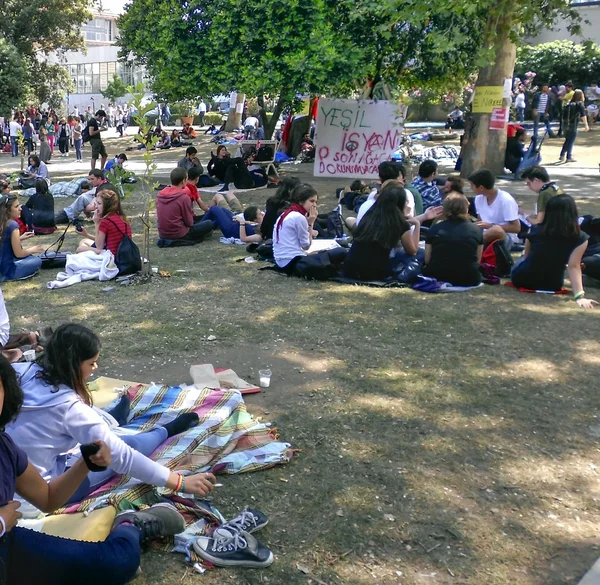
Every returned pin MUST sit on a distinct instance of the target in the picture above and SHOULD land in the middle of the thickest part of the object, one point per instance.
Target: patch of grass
(444, 438)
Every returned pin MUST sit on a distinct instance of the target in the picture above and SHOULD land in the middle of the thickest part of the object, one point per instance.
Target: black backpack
(128, 258)
(335, 223)
(85, 134)
(265, 153)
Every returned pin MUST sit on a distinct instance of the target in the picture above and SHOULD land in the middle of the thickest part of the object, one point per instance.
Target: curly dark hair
(70, 345)
(13, 395)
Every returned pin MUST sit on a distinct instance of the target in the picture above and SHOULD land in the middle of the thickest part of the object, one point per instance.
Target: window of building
(94, 77)
(99, 30)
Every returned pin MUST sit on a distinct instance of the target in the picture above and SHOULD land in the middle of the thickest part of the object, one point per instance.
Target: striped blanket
(227, 440)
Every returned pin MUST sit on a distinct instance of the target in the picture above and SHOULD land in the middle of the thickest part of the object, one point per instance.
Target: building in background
(91, 70)
(590, 25)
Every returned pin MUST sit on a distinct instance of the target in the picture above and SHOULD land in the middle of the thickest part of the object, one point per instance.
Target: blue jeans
(33, 558)
(24, 268)
(145, 443)
(14, 145)
(544, 119)
(77, 145)
(567, 147)
(521, 114)
(223, 219)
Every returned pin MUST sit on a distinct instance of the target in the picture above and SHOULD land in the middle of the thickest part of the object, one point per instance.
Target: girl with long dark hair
(58, 416)
(38, 212)
(550, 245)
(277, 204)
(383, 228)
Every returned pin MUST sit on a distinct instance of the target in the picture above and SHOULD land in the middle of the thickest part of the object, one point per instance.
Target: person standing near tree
(95, 127)
(15, 128)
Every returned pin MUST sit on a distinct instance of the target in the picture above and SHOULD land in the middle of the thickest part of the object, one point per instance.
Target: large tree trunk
(234, 119)
(300, 127)
(269, 124)
(483, 147)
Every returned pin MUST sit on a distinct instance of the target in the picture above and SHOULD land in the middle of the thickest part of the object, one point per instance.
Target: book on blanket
(320, 245)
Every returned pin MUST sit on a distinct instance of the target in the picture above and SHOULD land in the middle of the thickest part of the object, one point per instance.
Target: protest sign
(487, 97)
(354, 136)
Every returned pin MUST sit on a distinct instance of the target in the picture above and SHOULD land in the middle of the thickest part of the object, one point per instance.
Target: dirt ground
(444, 439)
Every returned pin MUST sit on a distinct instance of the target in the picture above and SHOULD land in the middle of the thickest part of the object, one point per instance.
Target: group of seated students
(46, 411)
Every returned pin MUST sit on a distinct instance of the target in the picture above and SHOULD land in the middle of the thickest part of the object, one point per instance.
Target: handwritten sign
(487, 97)
(354, 136)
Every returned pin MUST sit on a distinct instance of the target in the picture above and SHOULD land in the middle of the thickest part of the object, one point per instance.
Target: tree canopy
(28, 29)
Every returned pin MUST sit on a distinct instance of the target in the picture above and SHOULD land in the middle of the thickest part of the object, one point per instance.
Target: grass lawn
(444, 438)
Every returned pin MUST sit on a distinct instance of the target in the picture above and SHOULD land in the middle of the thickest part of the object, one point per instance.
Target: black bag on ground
(315, 267)
(265, 153)
(335, 223)
(53, 259)
(128, 258)
(497, 255)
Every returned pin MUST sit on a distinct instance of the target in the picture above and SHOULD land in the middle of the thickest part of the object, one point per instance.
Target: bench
(245, 145)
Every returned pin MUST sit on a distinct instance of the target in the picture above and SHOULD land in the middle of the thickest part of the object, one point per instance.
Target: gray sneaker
(157, 521)
(248, 520)
(229, 548)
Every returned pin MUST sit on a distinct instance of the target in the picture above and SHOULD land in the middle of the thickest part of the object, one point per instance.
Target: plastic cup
(154, 269)
(29, 355)
(265, 378)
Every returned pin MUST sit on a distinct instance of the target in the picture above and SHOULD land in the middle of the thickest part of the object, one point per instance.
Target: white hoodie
(53, 421)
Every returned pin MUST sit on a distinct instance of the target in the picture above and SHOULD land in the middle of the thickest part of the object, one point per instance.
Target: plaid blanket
(61, 189)
(227, 440)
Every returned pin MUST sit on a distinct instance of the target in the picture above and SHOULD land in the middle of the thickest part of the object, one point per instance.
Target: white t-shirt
(4, 322)
(14, 128)
(520, 100)
(202, 107)
(504, 209)
(251, 121)
(292, 240)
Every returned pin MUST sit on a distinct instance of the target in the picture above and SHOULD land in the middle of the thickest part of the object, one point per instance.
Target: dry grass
(444, 438)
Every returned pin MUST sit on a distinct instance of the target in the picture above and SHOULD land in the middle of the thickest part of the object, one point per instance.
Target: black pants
(63, 144)
(319, 266)
(198, 231)
(238, 174)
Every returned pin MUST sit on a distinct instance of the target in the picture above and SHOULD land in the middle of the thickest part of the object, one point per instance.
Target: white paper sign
(353, 136)
(507, 88)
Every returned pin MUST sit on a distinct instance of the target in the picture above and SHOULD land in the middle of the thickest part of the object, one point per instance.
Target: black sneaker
(229, 548)
(156, 522)
(248, 520)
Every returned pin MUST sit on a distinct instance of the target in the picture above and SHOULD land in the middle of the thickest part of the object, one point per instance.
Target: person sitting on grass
(515, 150)
(191, 188)
(38, 212)
(380, 231)
(453, 247)
(36, 170)
(538, 180)
(174, 212)
(165, 141)
(293, 235)
(277, 204)
(244, 227)
(175, 138)
(111, 225)
(218, 163)
(115, 163)
(549, 246)
(426, 185)
(16, 262)
(58, 417)
(86, 202)
(188, 131)
(190, 160)
(453, 184)
(497, 211)
(243, 173)
(35, 558)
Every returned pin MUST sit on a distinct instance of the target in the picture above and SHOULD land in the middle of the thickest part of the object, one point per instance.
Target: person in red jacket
(174, 212)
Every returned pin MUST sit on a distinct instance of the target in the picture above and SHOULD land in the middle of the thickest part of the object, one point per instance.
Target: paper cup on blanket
(29, 355)
(265, 378)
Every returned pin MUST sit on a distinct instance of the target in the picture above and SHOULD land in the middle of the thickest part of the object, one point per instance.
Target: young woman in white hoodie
(57, 416)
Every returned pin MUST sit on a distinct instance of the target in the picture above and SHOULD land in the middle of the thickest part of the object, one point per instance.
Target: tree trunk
(234, 120)
(270, 124)
(300, 127)
(483, 147)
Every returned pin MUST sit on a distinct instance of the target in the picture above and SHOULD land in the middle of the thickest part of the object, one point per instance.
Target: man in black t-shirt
(96, 125)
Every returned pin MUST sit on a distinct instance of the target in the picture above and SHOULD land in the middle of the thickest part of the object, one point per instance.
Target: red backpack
(497, 255)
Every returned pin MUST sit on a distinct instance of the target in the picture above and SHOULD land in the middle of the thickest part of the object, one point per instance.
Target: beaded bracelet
(183, 484)
(579, 295)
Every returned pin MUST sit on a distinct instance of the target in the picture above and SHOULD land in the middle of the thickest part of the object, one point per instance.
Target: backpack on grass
(497, 255)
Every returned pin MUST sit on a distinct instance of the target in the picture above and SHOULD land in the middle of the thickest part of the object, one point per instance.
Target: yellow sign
(487, 97)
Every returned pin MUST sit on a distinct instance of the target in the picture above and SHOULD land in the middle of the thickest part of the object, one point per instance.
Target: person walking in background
(573, 112)
(520, 105)
(14, 129)
(201, 112)
(77, 139)
(541, 110)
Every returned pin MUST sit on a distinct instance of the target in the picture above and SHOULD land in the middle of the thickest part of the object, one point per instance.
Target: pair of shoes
(232, 544)
(571, 160)
(157, 521)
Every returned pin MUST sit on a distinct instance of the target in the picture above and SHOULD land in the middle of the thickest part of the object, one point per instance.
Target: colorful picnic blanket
(227, 440)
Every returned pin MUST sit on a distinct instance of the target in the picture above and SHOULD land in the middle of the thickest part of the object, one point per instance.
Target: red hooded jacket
(174, 213)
